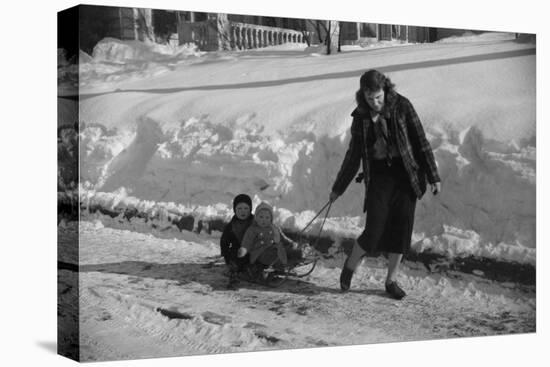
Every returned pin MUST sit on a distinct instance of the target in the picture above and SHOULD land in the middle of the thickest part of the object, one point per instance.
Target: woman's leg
(391, 285)
(399, 240)
(355, 257)
(378, 197)
(393, 266)
(351, 263)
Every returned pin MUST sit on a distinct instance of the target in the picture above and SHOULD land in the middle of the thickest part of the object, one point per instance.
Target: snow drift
(187, 139)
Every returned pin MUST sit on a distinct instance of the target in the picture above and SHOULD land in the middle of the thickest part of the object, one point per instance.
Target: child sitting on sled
(263, 242)
(233, 233)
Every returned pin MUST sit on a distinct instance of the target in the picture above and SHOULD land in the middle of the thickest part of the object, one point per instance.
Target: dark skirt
(391, 203)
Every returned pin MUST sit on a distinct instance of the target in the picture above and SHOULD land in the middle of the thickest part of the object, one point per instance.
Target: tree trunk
(305, 36)
(224, 32)
(339, 36)
(143, 29)
(328, 39)
(333, 34)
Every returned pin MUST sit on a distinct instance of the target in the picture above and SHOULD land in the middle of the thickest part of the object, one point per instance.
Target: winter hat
(264, 206)
(242, 198)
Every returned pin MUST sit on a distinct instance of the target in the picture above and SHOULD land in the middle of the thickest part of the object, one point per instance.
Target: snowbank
(458, 243)
(452, 242)
(113, 60)
(469, 36)
(290, 46)
(278, 128)
(208, 163)
(62, 58)
(67, 74)
(115, 50)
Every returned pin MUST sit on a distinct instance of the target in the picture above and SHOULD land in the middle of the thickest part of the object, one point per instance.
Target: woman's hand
(436, 188)
(333, 196)
(241, 252)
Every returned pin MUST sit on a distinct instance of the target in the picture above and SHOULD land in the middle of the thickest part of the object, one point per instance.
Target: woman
(387, 137)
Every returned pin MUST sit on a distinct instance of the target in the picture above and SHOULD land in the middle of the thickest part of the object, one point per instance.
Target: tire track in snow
(139, 320)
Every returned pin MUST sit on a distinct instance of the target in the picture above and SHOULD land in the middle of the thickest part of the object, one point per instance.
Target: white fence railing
(208, 37)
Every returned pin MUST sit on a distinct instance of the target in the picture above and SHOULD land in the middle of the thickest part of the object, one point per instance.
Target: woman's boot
(345, 277)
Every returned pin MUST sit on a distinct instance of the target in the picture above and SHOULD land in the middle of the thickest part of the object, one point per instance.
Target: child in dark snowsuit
(233, 233)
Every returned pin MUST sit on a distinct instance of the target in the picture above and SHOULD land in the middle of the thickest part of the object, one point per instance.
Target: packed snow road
(144, 296)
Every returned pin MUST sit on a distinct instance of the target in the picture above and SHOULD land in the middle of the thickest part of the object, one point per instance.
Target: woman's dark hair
(372, 81)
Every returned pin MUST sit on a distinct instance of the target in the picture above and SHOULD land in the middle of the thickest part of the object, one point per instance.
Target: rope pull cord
(316, 242)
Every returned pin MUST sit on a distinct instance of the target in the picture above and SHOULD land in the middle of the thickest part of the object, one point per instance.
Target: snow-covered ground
(143, 296)
(172, 132)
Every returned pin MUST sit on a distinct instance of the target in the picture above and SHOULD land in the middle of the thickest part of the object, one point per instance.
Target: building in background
(217, 31)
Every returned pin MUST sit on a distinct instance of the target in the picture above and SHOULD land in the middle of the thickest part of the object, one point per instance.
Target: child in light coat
(263, 241)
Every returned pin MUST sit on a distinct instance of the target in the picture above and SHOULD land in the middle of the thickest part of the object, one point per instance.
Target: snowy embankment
(177, 135)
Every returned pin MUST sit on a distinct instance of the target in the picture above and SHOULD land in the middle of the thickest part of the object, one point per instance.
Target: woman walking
(387, 137)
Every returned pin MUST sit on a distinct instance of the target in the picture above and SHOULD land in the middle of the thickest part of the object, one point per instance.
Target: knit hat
(242, 198)
(264, 206)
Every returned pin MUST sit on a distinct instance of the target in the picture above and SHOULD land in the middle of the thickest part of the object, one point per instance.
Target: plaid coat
(414, 148)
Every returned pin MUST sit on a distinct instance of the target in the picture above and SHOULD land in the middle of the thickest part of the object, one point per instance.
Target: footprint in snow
(254, 325)
(317, 342)
(270, 339)
(105, 316)
(135, 280)
(302, 310)
(215, 318)
(173, 314)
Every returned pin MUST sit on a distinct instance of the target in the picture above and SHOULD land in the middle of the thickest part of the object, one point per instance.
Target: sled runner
(274, 276)
(271, 276)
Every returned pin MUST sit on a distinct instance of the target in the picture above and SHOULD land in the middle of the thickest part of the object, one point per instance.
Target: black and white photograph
(235, 183)
(274, 183)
